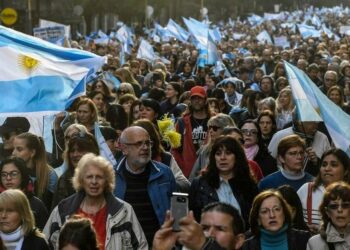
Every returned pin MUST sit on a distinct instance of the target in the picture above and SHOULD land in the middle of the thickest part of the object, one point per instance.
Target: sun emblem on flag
(29, 64)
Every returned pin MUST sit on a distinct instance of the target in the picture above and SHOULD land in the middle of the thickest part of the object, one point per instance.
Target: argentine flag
(40, 78)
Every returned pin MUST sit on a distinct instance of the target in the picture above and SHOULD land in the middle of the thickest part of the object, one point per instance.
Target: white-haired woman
(114, 220)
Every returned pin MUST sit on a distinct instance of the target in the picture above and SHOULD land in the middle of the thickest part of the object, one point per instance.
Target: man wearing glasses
(10, 128)
(291, 153)
(145, 184)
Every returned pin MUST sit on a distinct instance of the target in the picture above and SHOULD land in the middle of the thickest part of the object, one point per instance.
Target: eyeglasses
(335, 206)
(215, 128)
(140, 144)
(249, 131)
(296, 153)
(268, 211)
(12, 174)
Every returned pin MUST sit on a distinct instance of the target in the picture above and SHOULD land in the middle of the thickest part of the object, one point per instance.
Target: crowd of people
(257, 177)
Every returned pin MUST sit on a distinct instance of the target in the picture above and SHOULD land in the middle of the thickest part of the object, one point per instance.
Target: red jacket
(185, 156)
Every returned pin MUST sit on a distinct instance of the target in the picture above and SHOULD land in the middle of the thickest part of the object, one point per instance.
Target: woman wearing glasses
(271, 225)
(335, 213)
(335, 166)
(226, 179)
(15, 175)
(254, 148)
(114, 220)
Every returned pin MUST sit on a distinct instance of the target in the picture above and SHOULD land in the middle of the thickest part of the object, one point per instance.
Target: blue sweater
(274, 240)
(278, 179)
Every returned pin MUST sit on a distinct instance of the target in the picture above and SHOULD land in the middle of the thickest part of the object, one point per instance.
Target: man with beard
(193, 129)
(145, 184)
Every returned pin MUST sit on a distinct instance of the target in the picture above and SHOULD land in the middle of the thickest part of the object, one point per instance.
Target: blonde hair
(17, 199)
(91, 159)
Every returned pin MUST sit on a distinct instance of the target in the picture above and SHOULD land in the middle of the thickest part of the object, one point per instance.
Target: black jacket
(201, 194)
(33, 241)
(297, 240)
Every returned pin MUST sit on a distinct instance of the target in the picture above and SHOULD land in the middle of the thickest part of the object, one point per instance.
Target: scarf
(14, 240)
(251, 152)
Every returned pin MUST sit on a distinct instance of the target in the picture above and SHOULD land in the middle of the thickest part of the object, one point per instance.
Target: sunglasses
(249, 131)
(214, 128)
(335, 206)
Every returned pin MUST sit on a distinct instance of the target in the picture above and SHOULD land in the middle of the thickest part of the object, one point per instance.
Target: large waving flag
(336, 120)
(38, 77)
(177, 31)
(146, 51)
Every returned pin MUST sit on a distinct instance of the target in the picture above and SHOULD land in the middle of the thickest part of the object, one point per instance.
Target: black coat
(297, 240)
(201, 194)
(33, 241)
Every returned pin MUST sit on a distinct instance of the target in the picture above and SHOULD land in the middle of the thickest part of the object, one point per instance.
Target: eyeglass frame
(249, 132)
(140, 144)
(215, 128)
(335, 206)
(13, 174)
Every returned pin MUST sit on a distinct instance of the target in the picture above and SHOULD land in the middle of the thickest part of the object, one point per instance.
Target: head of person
(134, 113)
(223, 222)
(30, 148)
(11, 127)
(267, 103)
(136, 146)
(150, 127)
(124, 75)
(313, 71)
(227, 160)
(281, 83)
(94, 175)
(229, 87)
(214, 105)
(217, 123)
(15, 212)
(14, 174)
(336, 95)
(87, 112)
(335, 207)
(100, 100)
(252, 101)
(258, 74)
(78, 145)
(101, 85)
(270, 212)
(74, 129)
(173, 90)
(267, 123)
(285, 100)
(126, 101)
(157, 79)
(149, 109)
(125, 88)
(266, 84)
(267, 55)
(77, 233)
(291, 153)
(251, 133)
(198, 98)
(110, 136)
(330, 79)
(235, 133)
(279, 70)
(335, 166)
(292, 198)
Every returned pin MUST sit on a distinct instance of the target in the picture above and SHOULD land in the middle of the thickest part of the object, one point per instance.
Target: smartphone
(179, 208)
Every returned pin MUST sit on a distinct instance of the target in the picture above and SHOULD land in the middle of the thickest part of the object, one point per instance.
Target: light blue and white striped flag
(320, 107)
(102, 144)
(40, 78)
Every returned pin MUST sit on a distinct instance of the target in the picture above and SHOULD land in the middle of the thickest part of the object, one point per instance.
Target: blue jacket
(161, 185)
